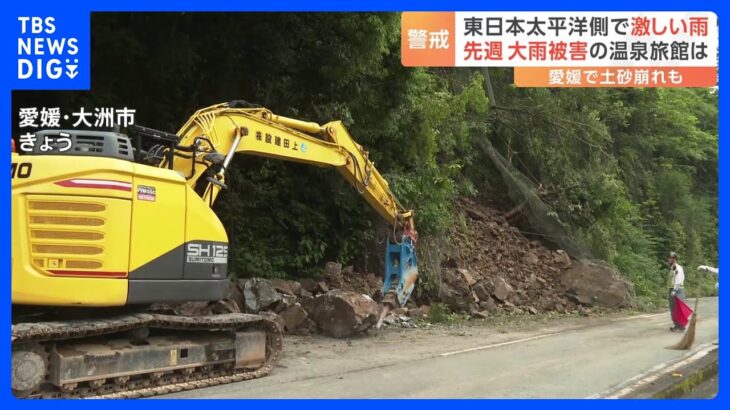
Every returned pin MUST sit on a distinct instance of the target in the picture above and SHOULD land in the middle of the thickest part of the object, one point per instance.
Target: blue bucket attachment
(401, 269)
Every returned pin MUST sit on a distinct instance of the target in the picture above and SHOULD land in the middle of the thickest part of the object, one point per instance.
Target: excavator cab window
(82, 143)
(145, 146)
(153, 146)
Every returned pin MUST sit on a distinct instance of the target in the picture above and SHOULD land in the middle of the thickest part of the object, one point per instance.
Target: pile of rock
(305, 307)
(339, 304)
(491, 266)
(399, 320)
(488, 266)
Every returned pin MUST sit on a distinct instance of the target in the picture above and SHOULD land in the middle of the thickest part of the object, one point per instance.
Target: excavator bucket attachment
(401, 270)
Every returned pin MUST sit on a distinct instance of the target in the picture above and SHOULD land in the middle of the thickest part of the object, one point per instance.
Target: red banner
(682, 312)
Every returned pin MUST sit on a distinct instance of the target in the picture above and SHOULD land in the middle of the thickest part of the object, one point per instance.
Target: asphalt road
(577, 361)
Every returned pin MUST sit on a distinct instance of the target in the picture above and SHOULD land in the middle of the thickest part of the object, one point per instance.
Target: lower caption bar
(615, 76)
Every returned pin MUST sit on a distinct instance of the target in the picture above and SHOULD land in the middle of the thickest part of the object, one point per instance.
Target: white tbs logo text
(37, 42)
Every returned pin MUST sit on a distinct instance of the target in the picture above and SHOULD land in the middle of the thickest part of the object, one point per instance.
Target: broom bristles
(688, 338)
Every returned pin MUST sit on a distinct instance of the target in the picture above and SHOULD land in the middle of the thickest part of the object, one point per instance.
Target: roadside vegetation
(630, 174)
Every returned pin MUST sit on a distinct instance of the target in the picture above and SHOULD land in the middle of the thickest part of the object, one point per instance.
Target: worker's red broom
(681, 315)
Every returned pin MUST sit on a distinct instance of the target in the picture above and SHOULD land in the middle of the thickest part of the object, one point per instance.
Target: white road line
(511, 342)
(645, 316)
(652, 374)
(528, 339)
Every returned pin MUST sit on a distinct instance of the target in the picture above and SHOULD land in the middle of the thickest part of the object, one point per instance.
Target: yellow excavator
(106, 224)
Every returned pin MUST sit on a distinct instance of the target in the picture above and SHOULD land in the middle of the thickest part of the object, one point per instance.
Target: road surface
(576, 358)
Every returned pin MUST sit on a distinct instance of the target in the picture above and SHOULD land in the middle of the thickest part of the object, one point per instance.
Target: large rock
(456, 297)
(288, 287)
(308, 284)
(561, 258)
(374, 281)
(592, 282)
(322, 287)
(232, 302)
(307, 327)
(502, 289)
(293, 317)
(416, 313)
(333, 274)
(488, 305)
(260, 294)
(339, 313)
(332, 270)
(468, 276)
(483, 289)
(285, 302)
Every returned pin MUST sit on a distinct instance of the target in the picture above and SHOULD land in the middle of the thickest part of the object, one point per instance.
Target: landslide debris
(487, 266)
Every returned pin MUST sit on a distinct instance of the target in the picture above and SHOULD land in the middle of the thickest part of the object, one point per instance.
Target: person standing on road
(676, 288)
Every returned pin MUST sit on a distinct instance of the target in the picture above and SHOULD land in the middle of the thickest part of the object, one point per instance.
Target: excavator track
(43, 335)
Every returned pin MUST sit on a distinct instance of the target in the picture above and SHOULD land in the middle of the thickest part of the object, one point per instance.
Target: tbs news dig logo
(43, 53)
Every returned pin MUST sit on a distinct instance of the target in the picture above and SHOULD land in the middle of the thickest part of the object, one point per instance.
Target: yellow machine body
(95, 231)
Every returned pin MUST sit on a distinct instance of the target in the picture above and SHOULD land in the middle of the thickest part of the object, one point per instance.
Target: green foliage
(440, 313)
(631, 173)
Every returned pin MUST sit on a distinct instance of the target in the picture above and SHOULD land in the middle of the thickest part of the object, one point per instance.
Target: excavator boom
(214, 135)
(258, 131)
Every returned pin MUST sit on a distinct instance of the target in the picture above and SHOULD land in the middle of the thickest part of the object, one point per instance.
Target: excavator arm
(212, 136)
